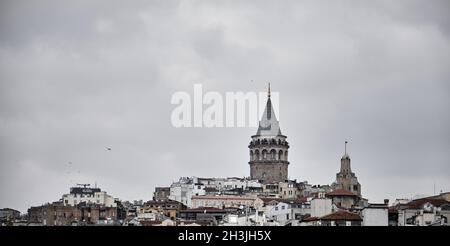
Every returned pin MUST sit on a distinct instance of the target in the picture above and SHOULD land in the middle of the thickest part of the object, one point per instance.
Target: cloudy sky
(78, 77)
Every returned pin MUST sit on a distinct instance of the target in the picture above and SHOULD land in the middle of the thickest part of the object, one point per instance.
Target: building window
(276, 208)
(283, 207)
(273, 154)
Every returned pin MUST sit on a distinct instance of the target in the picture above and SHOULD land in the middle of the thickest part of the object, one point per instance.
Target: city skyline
(86, 88)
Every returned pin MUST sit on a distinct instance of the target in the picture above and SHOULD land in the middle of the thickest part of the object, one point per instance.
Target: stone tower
(269, 149)
(346, 179)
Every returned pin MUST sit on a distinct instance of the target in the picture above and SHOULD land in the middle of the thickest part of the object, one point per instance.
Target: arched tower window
(264, 154)
(273, 154)
(257, 155)
(286, 155)
(251, 155)
(280, 155)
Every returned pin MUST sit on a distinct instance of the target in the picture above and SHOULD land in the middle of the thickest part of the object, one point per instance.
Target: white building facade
(183, 190)
(88, 195)
(285, 213)
(321, 207)
(225, 201)
(375, 215)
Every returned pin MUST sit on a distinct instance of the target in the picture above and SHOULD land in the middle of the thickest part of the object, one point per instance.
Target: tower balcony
(270, 144)
(268, 162)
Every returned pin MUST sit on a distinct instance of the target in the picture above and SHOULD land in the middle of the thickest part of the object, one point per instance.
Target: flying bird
(108, 148)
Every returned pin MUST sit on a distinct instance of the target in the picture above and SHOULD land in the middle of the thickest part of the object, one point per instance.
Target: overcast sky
(78, 77)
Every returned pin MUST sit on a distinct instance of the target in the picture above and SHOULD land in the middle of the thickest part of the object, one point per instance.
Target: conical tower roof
(269, 125)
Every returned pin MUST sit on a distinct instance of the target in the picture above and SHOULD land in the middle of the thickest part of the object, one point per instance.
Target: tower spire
(345, 148)
(268, 91)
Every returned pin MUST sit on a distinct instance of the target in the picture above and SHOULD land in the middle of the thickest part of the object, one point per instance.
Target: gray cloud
(77, 77)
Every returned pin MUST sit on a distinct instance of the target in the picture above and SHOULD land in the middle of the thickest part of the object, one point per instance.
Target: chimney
(386, 202)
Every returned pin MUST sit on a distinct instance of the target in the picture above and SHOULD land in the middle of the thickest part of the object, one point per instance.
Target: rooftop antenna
(268, 92)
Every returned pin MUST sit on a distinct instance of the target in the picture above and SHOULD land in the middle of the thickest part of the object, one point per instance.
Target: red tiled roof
(342, 215)
(340, 192)
(416, 204)
(311, 219)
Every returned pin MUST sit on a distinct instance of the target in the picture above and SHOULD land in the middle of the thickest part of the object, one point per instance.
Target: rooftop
(377, 205)
(342, 215)
(203, 210)
(223, 197)
(340, 192)
(267, 200)
(161, 202)
(417, 204)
